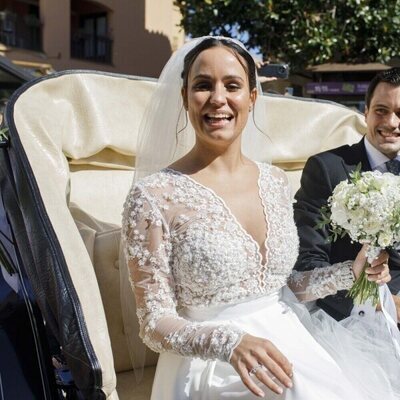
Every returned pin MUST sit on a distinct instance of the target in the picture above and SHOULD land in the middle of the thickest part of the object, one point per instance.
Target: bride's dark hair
(239, 52)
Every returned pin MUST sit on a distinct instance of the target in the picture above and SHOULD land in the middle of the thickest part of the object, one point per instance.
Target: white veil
(165, 135)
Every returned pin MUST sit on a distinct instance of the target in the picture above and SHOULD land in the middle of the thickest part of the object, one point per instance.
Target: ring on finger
(255, 369)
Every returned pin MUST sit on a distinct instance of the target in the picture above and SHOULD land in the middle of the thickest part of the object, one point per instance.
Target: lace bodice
(186, 249)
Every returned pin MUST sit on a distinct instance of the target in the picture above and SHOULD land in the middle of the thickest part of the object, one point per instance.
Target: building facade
(126, 36)
(343, 83)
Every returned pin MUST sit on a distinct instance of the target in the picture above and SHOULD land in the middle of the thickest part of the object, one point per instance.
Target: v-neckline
(250, 238)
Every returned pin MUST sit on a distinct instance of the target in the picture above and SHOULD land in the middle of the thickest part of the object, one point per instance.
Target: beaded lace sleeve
(319, 282)
(148, 249)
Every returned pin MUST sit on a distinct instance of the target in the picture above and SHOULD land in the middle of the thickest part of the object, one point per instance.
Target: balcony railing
(91, 47)
(22, 31)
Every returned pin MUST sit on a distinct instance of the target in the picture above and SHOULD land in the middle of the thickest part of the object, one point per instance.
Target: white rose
(339, 215)
(372, 227)
(384, 239)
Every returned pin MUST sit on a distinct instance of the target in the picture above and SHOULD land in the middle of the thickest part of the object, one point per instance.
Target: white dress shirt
(376, 159)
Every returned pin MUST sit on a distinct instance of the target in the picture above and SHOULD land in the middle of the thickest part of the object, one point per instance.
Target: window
(91, 41)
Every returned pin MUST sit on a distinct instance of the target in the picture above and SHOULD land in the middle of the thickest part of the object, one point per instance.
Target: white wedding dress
(200, 285)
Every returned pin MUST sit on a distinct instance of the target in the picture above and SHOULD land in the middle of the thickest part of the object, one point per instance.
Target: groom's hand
(378, 271)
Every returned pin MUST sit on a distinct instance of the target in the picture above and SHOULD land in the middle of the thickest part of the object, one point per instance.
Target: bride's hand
(378, 271)
(259, 357)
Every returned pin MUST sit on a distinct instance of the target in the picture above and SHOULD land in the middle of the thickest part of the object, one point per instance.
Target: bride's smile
(218, 120)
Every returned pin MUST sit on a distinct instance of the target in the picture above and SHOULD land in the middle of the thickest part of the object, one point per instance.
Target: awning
(347, 67)
(31, 61)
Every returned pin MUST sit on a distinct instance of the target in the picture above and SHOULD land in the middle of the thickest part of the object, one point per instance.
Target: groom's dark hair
(239, 52)
(390, 76)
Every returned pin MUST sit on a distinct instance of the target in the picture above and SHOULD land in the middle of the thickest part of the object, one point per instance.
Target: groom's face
(383, 119)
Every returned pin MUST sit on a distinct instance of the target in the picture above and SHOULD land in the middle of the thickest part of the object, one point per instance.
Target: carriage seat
(79, 131)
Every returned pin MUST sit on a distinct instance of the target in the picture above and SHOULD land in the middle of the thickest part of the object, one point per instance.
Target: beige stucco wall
(161, 17)
(55, 19)
(144, 35)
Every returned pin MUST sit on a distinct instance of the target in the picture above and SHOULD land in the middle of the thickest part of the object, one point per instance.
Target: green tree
(302, 32)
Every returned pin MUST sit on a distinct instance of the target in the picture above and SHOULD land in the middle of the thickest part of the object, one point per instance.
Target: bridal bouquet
(367, 208)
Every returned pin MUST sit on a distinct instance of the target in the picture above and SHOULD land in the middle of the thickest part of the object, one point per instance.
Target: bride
(210, 243)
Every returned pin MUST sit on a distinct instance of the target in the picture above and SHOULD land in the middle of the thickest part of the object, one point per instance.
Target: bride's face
(217, 97)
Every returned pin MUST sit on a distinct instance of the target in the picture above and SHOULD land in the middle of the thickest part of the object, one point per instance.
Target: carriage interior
(78, 130)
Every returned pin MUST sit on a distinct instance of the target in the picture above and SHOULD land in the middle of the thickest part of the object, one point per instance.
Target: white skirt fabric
(350, 360)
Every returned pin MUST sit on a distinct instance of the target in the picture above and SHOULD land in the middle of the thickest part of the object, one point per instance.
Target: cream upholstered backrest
(302, 127)
(79, 132)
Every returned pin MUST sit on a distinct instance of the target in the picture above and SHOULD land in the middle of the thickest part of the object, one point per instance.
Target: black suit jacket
(321, 174)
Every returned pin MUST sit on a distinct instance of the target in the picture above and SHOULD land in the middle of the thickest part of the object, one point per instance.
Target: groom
(378, 150)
